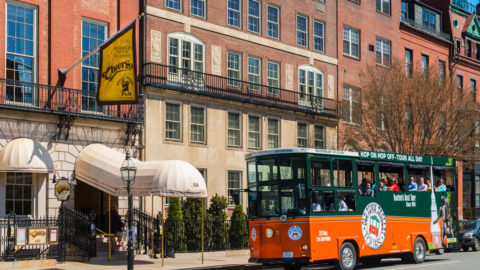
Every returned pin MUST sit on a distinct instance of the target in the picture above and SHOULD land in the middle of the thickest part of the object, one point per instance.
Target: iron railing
(59, 100)
(185, 235)
(465, 5)
(74, 236)
(10, 252)
(170, 77)
(420, 26)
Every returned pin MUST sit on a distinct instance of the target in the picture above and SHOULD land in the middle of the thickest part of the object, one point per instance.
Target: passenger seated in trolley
(317, 200)
(342, 206)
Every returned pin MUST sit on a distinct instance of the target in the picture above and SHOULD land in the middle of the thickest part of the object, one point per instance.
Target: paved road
(449, 261)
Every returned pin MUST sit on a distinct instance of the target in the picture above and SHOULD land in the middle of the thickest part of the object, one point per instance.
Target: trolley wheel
(348, 257)
(476, 244)
(419, 252)
(292, 266)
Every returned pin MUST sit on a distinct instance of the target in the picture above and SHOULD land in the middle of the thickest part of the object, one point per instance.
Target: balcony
(425, 29)
(465, 5)
(183, 80)
(63, 101)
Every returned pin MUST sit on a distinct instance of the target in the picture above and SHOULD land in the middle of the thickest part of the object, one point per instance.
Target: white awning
(99, 166)
(25, 155)
(177, 178)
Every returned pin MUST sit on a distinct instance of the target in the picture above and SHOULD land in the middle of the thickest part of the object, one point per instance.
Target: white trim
(279, 130)
(204, 108)
(228, 31)
(301, 150)
(180, 120)
(260, 121)
(228, 8)
(240, 128)
(259, 18)
(276, 23)
(35, 41)
(307, 129)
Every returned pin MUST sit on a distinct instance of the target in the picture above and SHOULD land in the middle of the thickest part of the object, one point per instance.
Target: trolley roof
(362, 154)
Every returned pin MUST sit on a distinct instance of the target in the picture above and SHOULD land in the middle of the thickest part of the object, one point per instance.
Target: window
(273, 133)
(352, 100)
(469, 48)
(273, 78)
(441, 71)
(473, 89)
(185, 51)
(21, 53)
(197, 124)
(254, 12)
(254, 70)
(408, 62)
(318, 36)
(383, 52)
(233, 69)
(234, 188)
(173, 4)
(302, 31)
(254, 132)
(93, 34)
(383, 6)
(234, 129)
(425, 60)
(203, 172)
(273, 21)
(234, 13)
(302, 135)
(428, 19)
(319, 137)
(310, 82)
(173, 121)
(320, 172)
(459, 85)
(19, 193)
(351, 42)
(404, 10)
(342, 173)
(197, 8)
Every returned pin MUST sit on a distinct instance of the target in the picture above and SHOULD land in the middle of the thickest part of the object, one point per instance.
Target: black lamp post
(128, 171)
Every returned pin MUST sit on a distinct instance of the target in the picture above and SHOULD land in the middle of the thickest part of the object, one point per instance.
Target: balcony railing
(420, 26)
(51, 99)
(184, 80)
(465, 5)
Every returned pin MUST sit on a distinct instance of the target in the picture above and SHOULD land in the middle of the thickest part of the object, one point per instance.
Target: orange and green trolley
(309, 205)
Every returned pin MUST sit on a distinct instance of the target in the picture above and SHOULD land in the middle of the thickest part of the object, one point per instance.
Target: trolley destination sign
(405, 158)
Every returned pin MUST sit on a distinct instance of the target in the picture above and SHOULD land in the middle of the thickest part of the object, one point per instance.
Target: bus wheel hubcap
(347, 257)
(419, 251)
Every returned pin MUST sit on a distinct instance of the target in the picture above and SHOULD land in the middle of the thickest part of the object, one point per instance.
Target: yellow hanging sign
(118, 82)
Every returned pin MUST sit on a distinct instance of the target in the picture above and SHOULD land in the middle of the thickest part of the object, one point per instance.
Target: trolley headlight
(304, 247)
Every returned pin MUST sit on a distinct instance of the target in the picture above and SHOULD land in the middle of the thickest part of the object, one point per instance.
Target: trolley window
(320, 172)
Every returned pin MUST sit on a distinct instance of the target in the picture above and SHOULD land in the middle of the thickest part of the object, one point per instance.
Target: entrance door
(89, 199)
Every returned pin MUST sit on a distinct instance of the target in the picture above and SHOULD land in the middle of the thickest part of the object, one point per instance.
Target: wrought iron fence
(185, 80)
(60, 100)
(73, 235)
(185, 235)
(8, 249)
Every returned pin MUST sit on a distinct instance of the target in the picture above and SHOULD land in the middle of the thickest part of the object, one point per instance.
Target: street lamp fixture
(128, 172)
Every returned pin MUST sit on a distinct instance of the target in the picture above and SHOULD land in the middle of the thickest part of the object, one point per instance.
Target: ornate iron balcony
(51, 99)
(184, 80)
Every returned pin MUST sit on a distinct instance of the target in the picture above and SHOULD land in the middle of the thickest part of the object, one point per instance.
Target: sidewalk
(212, 260)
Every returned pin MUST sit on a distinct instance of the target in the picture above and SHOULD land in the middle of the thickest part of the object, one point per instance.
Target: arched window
(310, 81)
(185, 51)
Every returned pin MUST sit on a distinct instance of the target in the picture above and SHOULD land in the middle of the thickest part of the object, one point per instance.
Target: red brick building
(368, 34)
(462, 22)
(40, 38)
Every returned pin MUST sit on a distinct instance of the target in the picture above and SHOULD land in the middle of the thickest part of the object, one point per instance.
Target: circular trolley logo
(295, 233)
(254, 234)
(374, 226)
